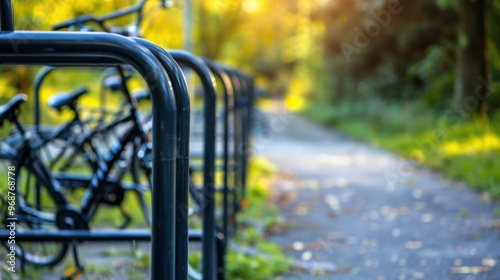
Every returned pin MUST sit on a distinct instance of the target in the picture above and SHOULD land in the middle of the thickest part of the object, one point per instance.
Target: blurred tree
(272, 40)
(268, 39)
(370, 46)
(493, 52)
(471, 64)
(217, 22)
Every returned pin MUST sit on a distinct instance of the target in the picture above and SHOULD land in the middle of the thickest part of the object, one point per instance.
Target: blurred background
(417, 77)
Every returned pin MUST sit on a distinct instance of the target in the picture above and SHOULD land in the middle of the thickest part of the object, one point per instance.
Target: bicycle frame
(98, 181)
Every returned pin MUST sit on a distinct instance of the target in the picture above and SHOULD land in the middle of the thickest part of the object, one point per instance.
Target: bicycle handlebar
(100, 20)
(76, 21)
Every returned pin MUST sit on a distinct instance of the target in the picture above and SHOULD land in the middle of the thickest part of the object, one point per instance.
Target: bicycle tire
(39, 254)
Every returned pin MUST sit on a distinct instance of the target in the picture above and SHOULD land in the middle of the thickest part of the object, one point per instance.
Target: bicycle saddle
(141, 94)
(114, 83)
(7, 110)
(59, 100)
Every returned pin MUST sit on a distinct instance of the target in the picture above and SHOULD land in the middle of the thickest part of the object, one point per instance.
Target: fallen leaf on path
(351, 211)
(404, 211)
(495, 224)
(279, 228)
(427, 218)
(413, 245)
(312, 226)
(299, 246)
(486, 197)
(410, 182)
(306, 256)
(286, 198)
(418, 275)
(469, 269)
(488, 262)
(331, 214)
(287, 175)
(318, 268)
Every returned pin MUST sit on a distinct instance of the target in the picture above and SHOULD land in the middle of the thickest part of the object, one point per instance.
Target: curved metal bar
(209, 101)
(70, 48)
(6, 16)
(245, 94)
(250, 106)
(237, 133)
(228, 106)
(182, 179)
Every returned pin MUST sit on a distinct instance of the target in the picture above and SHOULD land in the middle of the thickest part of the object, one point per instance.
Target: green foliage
(454, 4)
(437, 74)
(258, 210)
(249, 236)
(194, 260)
(254, 258)
(263, 262)
(466, 150)
(496, 212)
(268, 262)
(394, 51)
(142, 260)
(463, 212)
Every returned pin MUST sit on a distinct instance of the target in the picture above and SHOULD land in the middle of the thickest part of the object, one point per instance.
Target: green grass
(268, 259)
(465, 147)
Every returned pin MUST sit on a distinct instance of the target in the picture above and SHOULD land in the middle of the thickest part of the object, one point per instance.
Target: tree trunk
(470, 87)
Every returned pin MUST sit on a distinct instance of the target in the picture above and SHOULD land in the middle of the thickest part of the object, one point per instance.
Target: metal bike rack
(209, 102)
(228, 107)
(6, 16)
(245, 148)
(245, 104)
(182, 179)
(99, 49)
(171, 115)
(97, 235)
(181, 94)
(237, 131)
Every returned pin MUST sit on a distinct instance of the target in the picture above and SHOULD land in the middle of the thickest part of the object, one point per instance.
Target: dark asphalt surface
(345, 220)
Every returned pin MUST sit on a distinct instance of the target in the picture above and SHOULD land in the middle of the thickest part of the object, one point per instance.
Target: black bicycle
(45, 206)
(77, 147)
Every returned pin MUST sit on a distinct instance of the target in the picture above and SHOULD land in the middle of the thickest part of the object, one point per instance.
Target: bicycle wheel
(35, 210)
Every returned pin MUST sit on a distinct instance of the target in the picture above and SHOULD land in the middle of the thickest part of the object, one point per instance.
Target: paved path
(345, 221)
